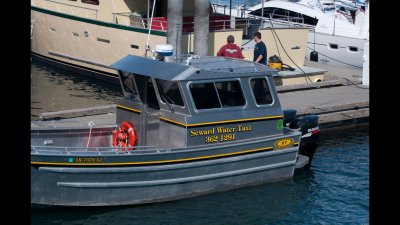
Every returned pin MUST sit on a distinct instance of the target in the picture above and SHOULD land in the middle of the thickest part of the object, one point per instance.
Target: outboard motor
(310, 132)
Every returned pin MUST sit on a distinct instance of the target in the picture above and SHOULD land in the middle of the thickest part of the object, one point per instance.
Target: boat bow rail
(58, 150)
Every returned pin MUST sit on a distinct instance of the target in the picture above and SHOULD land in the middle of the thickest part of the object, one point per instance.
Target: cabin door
(151, 116)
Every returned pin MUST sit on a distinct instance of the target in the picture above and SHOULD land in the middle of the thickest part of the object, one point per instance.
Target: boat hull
(85, 45)
(190, 173)
(349, 51)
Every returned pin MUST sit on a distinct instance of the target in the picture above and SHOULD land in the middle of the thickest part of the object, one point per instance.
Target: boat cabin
(197, 101)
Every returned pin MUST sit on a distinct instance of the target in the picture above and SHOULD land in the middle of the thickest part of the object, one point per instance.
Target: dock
(340, 101)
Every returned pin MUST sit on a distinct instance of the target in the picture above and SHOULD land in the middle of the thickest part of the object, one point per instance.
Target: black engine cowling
(310, 132)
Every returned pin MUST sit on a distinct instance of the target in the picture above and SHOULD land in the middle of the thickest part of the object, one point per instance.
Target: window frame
(254, 96)
(241, 89)
(335, 49)
(192, 99)
(124, 89)
(91, 2)
(351, 51)
(226, 108)
(180, 92)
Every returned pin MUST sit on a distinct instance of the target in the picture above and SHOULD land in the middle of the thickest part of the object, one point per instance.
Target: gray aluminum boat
(192, 127)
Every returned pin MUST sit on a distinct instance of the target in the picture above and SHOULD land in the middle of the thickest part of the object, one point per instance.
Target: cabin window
(128, 84)
(152, 100)
(353, 49)
(103, 40)
(204, 95)
(230, 93)
(169, 92)
(261, 91)
(334, 46)
(94, 2)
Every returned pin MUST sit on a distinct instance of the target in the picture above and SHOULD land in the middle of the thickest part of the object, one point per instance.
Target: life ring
(124, 136)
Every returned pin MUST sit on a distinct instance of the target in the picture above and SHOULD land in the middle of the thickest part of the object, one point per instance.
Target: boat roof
(210, 67)
(292, 6)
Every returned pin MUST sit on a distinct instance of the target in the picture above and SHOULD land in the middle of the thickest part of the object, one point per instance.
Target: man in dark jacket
(260, 50)
(230, 49)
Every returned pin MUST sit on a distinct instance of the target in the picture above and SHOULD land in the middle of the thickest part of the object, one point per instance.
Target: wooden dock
(340, 100)
(338, 103)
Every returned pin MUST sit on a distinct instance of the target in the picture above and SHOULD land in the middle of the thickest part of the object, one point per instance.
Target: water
(334, 191)
(53, 90)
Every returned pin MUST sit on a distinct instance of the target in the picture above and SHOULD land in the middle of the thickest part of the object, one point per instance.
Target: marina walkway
(339, 101)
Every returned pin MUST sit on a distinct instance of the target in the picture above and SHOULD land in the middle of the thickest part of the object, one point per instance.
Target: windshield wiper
(166, 102)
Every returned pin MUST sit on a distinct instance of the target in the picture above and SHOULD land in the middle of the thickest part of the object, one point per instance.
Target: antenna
(334, 16)
(176, 46)
(148, 36)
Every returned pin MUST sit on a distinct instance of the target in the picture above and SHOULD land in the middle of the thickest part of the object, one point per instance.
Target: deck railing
(131, 19)
(72, 9)
(93, 150)
(57, 123)
(240, 11)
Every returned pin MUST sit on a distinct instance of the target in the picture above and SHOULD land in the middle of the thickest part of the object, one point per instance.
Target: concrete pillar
(174, 20)
(201, 26)
(365, 74)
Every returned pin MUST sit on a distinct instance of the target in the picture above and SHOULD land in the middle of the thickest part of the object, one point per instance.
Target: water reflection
(53, 90)
(265, 204)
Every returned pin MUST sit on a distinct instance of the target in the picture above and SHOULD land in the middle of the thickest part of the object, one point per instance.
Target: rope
(351, 83)
(314, 38)
(337, 60)
(148, 35)
(246, 42)
(273, 35)
(91, 124)
(306, 76)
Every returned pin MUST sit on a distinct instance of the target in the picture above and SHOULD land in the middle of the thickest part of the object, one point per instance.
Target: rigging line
(306, 76)
(277, 47)
(337, 60)
(351, 83)
(314, 37)
(151, 23)
(246, 42)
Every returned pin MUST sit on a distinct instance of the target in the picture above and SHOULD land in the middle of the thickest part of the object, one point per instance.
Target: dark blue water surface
(335, 190)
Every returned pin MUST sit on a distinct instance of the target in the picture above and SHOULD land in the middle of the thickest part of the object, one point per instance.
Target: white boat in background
(336, 40)
(350, 11)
